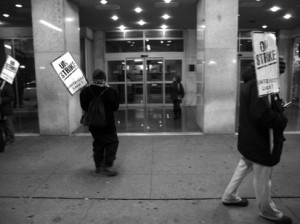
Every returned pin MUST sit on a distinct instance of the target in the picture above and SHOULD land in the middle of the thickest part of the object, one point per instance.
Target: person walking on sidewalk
(8, 97)
(177, 94)
(256, 117)
(105, 139)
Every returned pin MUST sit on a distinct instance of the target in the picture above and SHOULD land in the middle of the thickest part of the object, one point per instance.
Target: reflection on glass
(135, 93)
(173, 68)
(124, 46)
(296, 74)
(245, 45)
(121, 91)
(168, 90)
(164, 45)
(154, 93)
(134, 70)
(115, 71)
(154, 70)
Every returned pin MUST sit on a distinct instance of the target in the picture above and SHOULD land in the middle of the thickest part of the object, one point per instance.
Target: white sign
(266, 62)
(9, 69)
(69, 72)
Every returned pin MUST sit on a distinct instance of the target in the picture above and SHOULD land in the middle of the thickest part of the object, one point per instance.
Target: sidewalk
(163, 179)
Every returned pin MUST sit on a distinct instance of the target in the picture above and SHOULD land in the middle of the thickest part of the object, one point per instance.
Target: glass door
(144, 81)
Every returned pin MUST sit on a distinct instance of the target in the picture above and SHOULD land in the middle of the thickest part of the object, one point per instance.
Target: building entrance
(143, 82)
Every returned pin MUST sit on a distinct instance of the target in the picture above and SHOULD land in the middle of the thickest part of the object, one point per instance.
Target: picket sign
(9, 70)
(266, 61)
(69, 73)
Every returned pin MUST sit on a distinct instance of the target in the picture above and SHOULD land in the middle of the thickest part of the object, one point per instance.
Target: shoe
(110, 171)
(98, 170)
(283, 220)
(243, 203)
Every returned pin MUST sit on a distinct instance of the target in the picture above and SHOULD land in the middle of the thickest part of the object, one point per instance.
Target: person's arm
(116, 100)
(261, 111)
(83, 100)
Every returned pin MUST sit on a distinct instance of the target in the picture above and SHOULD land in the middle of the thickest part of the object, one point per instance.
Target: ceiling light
(148, 47)
(5, 15)
(264, 26)
(166, 16)
(275, 8)
(138, 9)
(7, 46)
(164, 26)
(167, 1)
(287, 16)
(122, 27)
(141, 22)
(103, 2)
(19, 5)
(115, 17)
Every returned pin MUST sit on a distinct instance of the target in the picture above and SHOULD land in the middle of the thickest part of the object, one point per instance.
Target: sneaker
(283, 220)
(110, 171)
(242, 203)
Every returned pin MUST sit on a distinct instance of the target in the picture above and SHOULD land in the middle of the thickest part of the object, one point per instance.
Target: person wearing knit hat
(105, 139)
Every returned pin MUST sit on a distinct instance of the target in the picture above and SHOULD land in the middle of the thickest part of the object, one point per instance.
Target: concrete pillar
(285, 46)
(99, 50)
(217, 28)
(59, 112)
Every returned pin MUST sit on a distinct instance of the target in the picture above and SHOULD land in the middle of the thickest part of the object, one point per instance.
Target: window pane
(115, 71)
(164, 45)
(124, 46)
(173, 68)
(134, 70)
(154, 70)
(135, 93)
(167, 33)
(25, 83)
(154, 93)
(168, 89)
(121, 34)
(246, 45)
(121, 91)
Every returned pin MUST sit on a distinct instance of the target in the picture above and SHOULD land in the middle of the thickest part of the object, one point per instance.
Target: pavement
(164, 179)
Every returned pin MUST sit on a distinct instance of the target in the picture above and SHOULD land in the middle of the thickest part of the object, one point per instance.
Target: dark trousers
(177, 108)
(2, 136)
(105, 149)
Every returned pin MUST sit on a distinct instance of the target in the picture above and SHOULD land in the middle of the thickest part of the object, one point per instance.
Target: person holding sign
(256, 117)
(7, 99)
(105, 137)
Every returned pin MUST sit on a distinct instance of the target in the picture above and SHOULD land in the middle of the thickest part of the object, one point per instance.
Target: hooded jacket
(256, 118)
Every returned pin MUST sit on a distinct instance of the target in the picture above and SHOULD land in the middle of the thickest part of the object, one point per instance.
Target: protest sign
(9, 69)
(69, 72)
(266, 63)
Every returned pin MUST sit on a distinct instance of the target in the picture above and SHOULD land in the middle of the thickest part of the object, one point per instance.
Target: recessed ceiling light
(19, 5)
(167, 1)
(122, 27)
(166, 16)
(264, 26)
(287, 16)
(164, 26)
(138, 9)
(7, 46)
(103, 2)
(275, 8)
(115, 17)
(141, 22)
(5, 15)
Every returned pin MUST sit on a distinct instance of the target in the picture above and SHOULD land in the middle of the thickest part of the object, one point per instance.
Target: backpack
(95, 116)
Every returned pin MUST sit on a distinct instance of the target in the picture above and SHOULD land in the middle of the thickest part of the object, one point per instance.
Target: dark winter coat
(256, 117)
(7, 99)
(111, 103)
(177, 91)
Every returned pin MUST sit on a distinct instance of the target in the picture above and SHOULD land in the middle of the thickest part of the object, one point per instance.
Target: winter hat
(99, 75)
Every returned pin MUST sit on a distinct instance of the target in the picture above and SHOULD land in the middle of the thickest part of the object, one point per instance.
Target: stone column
(99, 50)
(55, 31)
(217, 28)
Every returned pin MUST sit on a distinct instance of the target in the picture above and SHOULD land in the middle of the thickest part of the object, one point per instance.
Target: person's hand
(282, 65)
